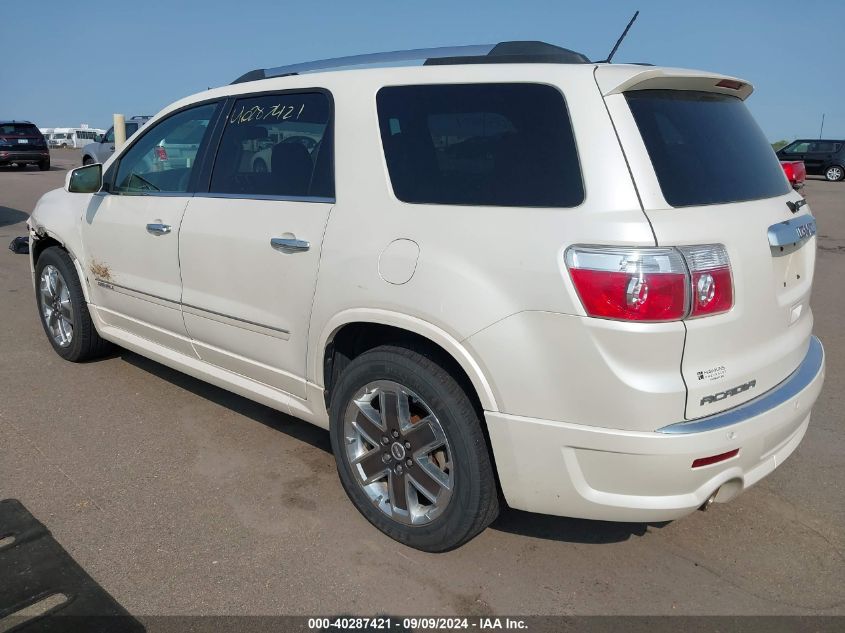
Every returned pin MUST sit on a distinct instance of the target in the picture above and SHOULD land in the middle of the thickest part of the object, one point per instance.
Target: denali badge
(728, 392)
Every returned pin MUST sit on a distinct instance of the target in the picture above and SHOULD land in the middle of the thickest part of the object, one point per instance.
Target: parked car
(582, 286)
(22, 144)
(796, 173)
(103, 146)
(821, 157)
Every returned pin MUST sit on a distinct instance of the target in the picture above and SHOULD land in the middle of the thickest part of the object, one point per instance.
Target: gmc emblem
(728, 392)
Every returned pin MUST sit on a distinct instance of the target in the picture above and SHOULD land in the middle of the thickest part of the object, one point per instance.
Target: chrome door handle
(289, 245)
(158, 229)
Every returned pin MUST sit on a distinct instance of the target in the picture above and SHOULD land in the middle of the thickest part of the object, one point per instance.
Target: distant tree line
(778, 144)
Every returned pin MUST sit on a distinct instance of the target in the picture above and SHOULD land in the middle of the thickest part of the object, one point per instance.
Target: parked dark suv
(822, 157)
(22, 143)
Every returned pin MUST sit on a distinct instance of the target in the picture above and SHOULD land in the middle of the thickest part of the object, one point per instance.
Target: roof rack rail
(517, 52)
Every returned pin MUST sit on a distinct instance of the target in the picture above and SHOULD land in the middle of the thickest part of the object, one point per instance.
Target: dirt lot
(179, 497)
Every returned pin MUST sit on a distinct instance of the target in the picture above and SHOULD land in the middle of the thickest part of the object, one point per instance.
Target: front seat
(290, 169)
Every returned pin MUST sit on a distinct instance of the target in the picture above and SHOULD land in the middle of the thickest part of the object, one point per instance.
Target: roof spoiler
(620, 78)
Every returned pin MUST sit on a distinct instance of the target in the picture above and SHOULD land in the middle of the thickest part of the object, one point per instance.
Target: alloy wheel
(398, 452)
(56, 307)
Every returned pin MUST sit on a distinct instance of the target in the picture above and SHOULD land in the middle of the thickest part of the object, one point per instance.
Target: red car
(795, 172)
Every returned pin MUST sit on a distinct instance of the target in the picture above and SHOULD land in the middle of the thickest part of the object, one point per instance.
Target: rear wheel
(64, 313)
(834, 173)
(410, 451)
(44, 165)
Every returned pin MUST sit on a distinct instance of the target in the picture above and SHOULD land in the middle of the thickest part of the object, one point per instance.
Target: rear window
(480, 144)
(19, 129)
(705, 147)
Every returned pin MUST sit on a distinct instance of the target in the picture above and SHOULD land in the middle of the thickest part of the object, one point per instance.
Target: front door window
(162, 160)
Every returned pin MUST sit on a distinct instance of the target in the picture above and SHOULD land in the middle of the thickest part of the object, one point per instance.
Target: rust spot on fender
(100, 270)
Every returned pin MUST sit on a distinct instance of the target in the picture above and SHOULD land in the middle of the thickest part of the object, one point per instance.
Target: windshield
(705, 147)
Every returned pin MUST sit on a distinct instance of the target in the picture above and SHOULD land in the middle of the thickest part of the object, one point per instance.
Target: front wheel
(64, 313)
(87, 160)
(834, 173)
(410, 451)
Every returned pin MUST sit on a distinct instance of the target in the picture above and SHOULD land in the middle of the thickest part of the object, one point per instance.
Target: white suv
(508, 272)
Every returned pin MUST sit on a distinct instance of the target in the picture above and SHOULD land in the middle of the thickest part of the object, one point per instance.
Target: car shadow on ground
(10, 216)
(512, 521)
(554, 528)
(276, 420)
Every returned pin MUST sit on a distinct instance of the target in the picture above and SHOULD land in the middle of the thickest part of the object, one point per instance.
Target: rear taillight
(633, 284)
(712, 286)
(651, 284)
(789, 170)
(160, 153)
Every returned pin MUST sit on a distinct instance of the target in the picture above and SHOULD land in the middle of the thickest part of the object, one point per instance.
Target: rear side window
(276, 145)
(480, 144)
(705, 147)
(824, 147)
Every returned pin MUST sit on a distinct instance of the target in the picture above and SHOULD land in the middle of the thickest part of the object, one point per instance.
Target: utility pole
(821, 129)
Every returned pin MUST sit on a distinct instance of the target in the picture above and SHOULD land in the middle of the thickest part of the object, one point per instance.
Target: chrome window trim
(251, 196)
(157, 194)
(797, 381)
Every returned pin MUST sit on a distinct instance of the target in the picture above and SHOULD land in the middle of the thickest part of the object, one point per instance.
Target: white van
(73, 136)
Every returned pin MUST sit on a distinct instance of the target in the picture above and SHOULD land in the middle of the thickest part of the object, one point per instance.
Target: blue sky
(98, 57)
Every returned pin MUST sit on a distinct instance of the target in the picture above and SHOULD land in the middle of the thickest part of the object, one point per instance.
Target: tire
(64, 145)
(44, 165)
(834, 173)
(67, 322)
(87, 160)
(457, 471)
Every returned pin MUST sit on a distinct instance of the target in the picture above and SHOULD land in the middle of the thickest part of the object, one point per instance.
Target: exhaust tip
(709, 502)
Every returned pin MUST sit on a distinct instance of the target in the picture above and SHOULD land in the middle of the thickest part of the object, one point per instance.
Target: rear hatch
(21, 137)
(707, 175)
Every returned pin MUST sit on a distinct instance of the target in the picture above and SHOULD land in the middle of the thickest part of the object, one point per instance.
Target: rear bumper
(24, 157)
(598, 473)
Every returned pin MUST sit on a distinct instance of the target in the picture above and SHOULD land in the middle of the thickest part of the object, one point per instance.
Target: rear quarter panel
(476, 265)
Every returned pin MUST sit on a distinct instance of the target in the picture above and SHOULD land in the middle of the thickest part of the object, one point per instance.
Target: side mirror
(86, 179)
(98, 138)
